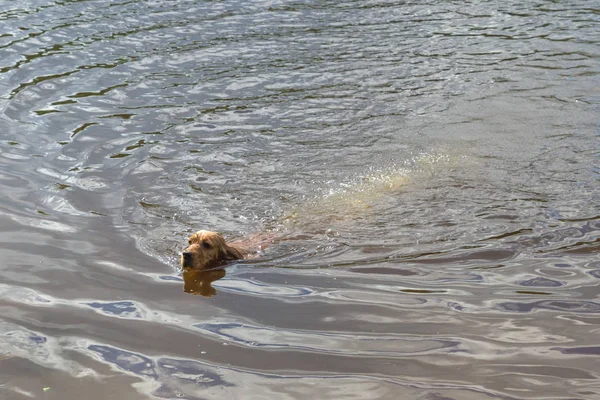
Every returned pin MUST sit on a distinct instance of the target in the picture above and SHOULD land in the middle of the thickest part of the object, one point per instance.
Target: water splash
(356, 197)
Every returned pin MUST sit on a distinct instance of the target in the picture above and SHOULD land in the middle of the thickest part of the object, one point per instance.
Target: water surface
(430, 170)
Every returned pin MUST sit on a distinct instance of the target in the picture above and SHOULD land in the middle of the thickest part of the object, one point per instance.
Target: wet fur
(207, 250)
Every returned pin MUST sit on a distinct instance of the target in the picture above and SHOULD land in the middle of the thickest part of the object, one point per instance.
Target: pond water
(429, 171)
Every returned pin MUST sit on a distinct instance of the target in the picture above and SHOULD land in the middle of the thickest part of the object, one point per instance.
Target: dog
(203, 260)
(207, 250)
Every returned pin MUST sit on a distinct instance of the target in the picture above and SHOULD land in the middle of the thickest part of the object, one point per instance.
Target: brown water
(431, 169)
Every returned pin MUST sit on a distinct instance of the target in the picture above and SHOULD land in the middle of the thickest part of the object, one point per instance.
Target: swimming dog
(208, 250)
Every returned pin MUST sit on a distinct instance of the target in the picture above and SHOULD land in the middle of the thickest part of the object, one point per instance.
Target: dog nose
(186, 255)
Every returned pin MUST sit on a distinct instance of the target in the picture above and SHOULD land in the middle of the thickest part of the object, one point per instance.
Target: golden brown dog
(207, 253)
(200, 261)
(207, 250)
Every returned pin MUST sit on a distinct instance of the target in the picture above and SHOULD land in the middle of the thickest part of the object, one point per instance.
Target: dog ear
(231, 253)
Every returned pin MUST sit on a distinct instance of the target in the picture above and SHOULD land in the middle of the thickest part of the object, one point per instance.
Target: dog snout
(186, 259)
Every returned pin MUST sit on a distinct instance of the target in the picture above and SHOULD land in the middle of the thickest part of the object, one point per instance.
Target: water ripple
(429, 172)
(553, 305)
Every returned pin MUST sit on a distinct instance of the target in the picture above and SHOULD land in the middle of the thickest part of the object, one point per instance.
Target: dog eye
(189, 241)
(205, 244)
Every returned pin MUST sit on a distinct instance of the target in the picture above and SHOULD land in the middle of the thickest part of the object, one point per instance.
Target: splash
(357, 197)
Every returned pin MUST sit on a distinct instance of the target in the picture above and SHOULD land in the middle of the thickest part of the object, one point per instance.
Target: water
(429, 169)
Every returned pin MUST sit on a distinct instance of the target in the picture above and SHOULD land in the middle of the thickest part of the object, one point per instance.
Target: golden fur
(207, 250)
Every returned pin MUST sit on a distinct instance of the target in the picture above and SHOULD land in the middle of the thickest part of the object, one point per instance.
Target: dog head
(207, 250)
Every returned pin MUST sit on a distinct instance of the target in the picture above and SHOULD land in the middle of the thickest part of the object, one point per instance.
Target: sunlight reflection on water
(426, 173)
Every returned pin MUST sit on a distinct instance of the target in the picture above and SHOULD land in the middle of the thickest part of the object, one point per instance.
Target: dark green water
(430, 168)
